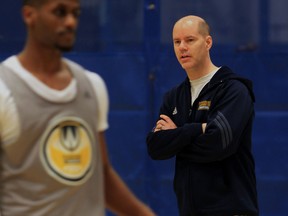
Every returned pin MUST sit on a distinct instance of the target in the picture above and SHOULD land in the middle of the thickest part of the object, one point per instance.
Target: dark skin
(51, 30)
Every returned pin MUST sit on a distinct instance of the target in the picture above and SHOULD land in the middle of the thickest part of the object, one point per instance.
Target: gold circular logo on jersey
(67, 151)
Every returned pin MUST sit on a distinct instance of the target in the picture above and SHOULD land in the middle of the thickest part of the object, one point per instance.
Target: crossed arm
(165, 123)
(216, 138)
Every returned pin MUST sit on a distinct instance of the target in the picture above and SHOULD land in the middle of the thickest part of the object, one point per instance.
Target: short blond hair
(204, 28)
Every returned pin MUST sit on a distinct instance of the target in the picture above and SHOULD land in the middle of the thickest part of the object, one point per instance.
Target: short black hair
(33, 2)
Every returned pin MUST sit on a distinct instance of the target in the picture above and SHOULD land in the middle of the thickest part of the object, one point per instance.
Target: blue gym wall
(128, 42)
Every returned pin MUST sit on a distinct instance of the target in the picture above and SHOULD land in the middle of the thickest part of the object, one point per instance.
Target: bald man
(206, 123)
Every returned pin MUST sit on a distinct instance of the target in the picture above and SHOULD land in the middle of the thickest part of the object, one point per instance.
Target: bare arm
(119, 198)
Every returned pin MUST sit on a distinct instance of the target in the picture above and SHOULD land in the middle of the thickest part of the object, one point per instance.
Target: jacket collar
(223, 75)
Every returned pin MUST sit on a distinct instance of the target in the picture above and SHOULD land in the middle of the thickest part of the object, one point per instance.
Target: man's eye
(76, 13)
(60, 12)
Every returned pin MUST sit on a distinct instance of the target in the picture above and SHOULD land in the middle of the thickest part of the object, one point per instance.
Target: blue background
(128, 42)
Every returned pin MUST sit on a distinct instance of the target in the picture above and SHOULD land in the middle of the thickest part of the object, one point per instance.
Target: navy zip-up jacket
(214, 171)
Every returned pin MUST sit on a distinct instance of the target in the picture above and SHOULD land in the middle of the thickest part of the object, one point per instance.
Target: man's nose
(182, 45)
(71, 21)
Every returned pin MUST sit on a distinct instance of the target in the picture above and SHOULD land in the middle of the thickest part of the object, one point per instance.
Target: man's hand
(204, 125)
(165, 123)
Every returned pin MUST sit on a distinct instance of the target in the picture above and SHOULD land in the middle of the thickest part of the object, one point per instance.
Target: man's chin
(186, 66)
(64, 48)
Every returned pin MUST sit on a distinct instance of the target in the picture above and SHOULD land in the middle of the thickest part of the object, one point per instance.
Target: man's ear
(28, 15)
(209, 42)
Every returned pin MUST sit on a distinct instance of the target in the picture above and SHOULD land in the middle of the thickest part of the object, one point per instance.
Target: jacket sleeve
(227, 120)
(229, 123)
(167, 143)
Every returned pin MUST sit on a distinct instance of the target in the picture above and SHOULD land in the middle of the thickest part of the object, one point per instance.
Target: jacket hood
(225, 74)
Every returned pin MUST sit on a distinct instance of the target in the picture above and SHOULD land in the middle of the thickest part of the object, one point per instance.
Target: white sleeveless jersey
(52, 166)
